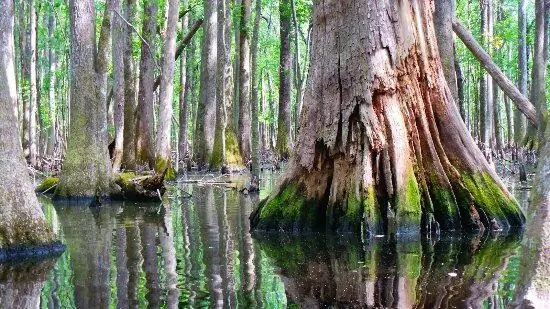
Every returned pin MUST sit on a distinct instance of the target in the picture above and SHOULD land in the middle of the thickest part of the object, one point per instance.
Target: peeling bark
(382, 148)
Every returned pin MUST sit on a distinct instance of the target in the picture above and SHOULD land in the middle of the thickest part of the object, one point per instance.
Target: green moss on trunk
(491, 202)
(408, 207)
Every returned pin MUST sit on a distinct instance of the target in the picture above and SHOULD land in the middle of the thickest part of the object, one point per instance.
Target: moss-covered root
(495, 207)
(289, 210)
(47, 185)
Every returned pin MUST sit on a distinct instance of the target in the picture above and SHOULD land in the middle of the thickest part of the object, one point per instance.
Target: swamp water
(197, 252)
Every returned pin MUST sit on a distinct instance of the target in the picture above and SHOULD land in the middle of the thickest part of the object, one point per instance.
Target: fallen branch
(523, 104)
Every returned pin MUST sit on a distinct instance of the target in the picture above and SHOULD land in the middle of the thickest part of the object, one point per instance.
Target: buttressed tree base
(382, 148)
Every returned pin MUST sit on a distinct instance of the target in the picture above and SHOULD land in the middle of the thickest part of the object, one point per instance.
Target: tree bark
(130, 104)
(245, 142)
(255, 98)
(443, 23)
(503, 82)
(380, 152)
(186, 107)
(52, 60)
(538, 93)
(86, 171)
(219, 153)
(284, 128)
(519, 118)
(145, 110)
(118, 29)
(206, 109)
(32, 85)
(163, 151)
(22, 221)
(183, 107)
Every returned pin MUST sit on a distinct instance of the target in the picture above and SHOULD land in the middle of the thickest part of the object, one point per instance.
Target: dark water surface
(197, 252)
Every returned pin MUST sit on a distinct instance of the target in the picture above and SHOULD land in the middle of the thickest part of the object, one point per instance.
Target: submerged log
(141, 188)
(133, 187)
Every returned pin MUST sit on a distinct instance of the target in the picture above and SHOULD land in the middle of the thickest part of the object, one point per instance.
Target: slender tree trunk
(496, 121)
(284, 128)
(130, 104)
(118, 29)
(186, 106)
(255, 98)
(182, 132)
(33, 150)
(86, 171)
(245, 142)
(382, 152)
(23, 222)
(206, 110)
(236, 69)
(298, 72)
(443, 22)
(519, 119)
(460, 88)
(538, 94)
(163, 151)
(25, 74)
(145, 111)
(52, 60)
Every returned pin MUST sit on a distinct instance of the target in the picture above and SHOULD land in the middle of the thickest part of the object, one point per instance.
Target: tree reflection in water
(447, 273)
(198, 252)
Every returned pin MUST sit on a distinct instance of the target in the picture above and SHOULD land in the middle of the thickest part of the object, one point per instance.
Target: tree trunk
(380, 152)
(519, 119)
(538, 75)
(443, 23)
(86, 171)
(219, 154)
(487, 121)
(118, 29)
(255, 95)
(284, 128)
(130, 104)
(23, 223)
(237, 71)
(460, 88)
(186, 106)
(163, 151)
(245, 142)
(32, 85)
(206, 109)
(145, 111)
(182, 132)
(25, 75)
(52, 59)
(531, 288)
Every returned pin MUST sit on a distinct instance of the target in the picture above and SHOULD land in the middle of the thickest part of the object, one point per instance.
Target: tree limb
(182, 45)
(523, 104)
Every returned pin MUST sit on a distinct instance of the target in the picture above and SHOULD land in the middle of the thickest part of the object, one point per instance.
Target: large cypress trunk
(21, 219)
(86, 171)
(382, 148)
(145, 110)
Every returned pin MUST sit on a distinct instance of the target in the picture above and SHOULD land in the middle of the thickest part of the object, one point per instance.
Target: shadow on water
(198, 252)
